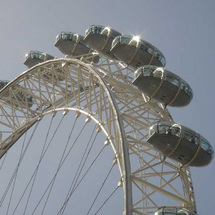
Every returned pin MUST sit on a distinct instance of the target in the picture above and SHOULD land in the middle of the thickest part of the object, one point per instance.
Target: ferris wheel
(90, 133)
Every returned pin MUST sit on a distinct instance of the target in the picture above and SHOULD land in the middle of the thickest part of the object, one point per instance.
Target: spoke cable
(38, 165)
(100, 188)
(3, 160)
(14, 173)
(82, 163)
(59, 169)
(67, 143)
(107, 200)
(66, 202)
(14, 182)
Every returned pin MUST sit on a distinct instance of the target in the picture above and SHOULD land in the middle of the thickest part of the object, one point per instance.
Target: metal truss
(105, 94)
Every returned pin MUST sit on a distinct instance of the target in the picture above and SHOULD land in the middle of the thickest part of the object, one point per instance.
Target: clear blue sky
(183, 30)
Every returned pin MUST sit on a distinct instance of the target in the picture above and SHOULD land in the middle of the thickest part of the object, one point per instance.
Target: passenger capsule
(180, 143)
(74, 45)
(101, 38)
(34, 57)
(163, 86)
(136, 52)
(21, 97)
(174, 211)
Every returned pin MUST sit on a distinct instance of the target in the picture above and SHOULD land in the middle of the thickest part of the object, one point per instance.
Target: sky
(183, 30)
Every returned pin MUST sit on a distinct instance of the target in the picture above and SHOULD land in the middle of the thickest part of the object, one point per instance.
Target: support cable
(107, 200)
(66, 202)
(14, 182)
(80, 168)
(15, 171)
(59, 165)
(100, 188)
(58, 169)
(3, 160)
(37, 166)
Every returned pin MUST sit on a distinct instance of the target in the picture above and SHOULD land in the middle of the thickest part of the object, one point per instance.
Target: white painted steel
(105, 94)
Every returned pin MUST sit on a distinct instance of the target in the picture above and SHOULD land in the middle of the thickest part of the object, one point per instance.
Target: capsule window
(211, 152)
(143, 47)
(148, 72)
(204, 144)
(182, 85)
(175, 130)
(172, 79)
(158, 54)
(150, 50)
(125, 39)
(67, 36)
(207, 147)
(34, 55)
(163, 61)
(170, 211)
(97, 29)
(185, 87)
(163, 129)
(190, 93)
(191, 136)
(114, 33)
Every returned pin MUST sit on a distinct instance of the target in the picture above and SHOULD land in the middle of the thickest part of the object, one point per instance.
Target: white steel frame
(105, 94)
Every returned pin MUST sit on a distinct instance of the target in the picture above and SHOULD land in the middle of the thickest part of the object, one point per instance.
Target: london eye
(90, 133)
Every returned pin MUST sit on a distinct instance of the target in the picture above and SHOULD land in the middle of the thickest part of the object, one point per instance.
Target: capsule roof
(137, 52)
(191, 148)
(163, 86)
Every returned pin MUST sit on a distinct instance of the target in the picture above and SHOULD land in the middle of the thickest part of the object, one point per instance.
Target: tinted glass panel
(125, 39)
(191, 136)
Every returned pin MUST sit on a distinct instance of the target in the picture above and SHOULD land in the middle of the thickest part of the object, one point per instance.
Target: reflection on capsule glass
(100, 38)
(136, 52)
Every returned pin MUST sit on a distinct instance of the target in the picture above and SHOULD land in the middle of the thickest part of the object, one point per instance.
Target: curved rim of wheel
(119, 110)
(97, 85)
